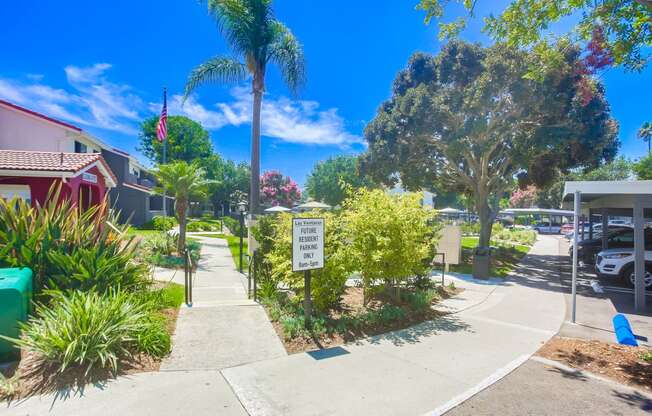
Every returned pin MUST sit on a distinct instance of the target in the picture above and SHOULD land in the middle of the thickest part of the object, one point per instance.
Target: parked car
(567, 228)
(545, 227)
(619, 263)
(618, 237)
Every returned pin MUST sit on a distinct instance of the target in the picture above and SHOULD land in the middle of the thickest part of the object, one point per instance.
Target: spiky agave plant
(256, 39)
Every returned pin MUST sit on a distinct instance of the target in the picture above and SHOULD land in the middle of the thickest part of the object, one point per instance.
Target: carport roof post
(633, 196)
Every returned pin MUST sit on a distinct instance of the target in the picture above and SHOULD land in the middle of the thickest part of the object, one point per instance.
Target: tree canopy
(619, 169)
(187, 140)
(615, 31)
(330, 179)
(229, 178)
(467, 120)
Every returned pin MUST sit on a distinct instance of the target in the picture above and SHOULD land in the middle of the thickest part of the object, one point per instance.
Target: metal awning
(536, 211)
(608, 197)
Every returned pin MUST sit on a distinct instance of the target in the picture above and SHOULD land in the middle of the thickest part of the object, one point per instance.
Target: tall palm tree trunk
(181, 214)
(254, 190)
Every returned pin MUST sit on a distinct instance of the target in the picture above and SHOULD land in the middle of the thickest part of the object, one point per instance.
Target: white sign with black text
(307, 244)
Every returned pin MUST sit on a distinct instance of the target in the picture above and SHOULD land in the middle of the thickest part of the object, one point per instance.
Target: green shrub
(420, 300)
(207, 216)
(161, 250)
(202, 226)
(390, 238)
(233, 225)
(88, 329)
(163, 223)
(647, 356)
(67, 247)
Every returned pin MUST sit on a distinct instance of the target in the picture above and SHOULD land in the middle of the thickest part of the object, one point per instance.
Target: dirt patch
(621, 363)
(352, 305)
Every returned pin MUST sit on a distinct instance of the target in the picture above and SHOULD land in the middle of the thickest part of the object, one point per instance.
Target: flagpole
(165, 151)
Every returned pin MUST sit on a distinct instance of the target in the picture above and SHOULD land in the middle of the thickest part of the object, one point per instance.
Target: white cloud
(91, 99)
(293, 121)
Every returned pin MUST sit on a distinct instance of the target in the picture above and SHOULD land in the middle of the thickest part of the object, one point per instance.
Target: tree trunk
(254, 190)
(182, 210)
(486, 218)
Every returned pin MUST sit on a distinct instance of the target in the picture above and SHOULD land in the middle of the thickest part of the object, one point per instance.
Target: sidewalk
(494, 327)
(223, 328)
(431, 367)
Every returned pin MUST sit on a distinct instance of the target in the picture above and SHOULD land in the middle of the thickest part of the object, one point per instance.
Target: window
(7, 192)
(80, 147)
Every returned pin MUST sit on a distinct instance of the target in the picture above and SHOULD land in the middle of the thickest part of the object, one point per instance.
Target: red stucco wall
(39, 187)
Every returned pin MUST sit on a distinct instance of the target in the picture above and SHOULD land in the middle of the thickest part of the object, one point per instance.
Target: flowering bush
(523, 198)
(277, 189)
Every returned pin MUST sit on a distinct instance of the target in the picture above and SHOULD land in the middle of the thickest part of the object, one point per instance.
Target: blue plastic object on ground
(624, 333)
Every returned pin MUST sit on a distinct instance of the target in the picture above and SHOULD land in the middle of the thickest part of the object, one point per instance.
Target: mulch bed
(621, 363)
(352, 303)
(37, 376)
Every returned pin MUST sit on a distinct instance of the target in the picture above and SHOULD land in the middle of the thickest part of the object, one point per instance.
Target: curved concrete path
(429, 368)
(493, 327)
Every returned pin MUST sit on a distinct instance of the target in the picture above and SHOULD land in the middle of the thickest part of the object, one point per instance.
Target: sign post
(307, 254)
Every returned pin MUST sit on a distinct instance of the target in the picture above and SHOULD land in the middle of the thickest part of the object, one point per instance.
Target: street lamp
(242, 207)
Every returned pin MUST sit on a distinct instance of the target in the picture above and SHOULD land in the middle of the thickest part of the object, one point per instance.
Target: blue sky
(102, 65)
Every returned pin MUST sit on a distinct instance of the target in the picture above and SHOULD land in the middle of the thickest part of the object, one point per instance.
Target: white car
(619, 263)
(545, 227)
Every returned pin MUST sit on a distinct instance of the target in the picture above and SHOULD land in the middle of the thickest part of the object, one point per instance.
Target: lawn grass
(172, 295)
(143, 233)
(504, 259)
(234, 247)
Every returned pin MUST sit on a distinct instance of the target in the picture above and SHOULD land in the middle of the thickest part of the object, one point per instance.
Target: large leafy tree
(616, 31)
(185, 181)
(229, 178)
(257, 39)
(645, 133)
(467, 120)
(187, 140)
(330, 180)
(643, 168)
(619, 169)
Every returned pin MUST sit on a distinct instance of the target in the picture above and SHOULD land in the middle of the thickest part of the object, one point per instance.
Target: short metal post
(249, 282)
(189, 277)
(576, 219)
(241, 236)
(255, 285)
(443, 267)
(307, 301)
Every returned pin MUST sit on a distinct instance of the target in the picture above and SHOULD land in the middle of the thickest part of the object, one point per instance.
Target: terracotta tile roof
(50, 161)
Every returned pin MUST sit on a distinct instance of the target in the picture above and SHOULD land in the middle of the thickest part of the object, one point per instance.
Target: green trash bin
(15, 300)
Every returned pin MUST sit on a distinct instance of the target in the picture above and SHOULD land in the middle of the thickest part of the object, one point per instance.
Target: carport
(621, 198)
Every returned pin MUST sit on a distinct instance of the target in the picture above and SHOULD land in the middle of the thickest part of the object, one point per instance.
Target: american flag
(162, 127)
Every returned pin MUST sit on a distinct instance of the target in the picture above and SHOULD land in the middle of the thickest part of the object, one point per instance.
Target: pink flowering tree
(276, 189)
(523, 198)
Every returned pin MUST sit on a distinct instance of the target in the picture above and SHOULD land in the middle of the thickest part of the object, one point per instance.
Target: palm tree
(185, 182)
(256, 38)
(645, 133)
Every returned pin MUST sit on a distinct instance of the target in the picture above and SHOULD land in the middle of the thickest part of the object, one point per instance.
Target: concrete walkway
(495, 326)
(222, 328)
